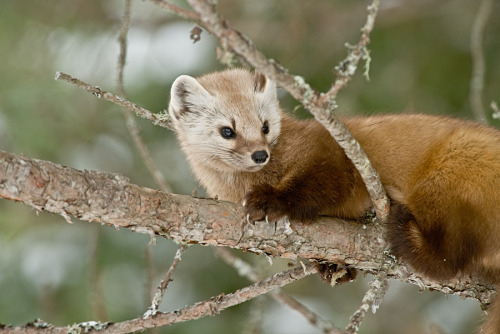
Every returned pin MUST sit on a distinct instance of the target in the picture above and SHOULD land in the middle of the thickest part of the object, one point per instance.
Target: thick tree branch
(110, 198)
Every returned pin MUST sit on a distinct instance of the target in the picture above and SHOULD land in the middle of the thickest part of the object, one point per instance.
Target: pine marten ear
(186, 93)
(264, 85)
(260, 81)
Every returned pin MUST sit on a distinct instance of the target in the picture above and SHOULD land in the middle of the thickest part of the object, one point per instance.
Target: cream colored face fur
(235, 99)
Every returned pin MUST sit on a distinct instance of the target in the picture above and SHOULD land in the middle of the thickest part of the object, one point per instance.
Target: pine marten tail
(423, 247)
(429, 250)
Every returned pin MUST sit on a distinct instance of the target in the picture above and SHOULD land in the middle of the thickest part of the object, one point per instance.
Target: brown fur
(442, 174)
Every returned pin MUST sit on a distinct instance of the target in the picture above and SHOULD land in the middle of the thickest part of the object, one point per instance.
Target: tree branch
(184, 13)
(478, 62)
(201, 309)
(245, 270)
(162, 120)
(132, 126)
(347, 67)
(122, 40)
(372, 299)
(109, 198)
(160, 290)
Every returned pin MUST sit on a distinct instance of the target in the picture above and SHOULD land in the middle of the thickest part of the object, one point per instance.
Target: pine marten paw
(262, 203)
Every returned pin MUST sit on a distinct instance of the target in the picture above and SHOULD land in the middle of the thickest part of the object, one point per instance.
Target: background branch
(184, 13)
(245, 270)
(162, 120)
(212, 307)
(160, 291)
(478, 62)
(132, 126)
(95, 279)
(347, 67)
(372, 299)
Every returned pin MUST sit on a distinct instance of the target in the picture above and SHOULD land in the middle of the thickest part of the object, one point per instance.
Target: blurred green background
(66, 273)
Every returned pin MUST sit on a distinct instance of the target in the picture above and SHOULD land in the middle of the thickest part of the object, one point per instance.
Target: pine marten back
(442, 175)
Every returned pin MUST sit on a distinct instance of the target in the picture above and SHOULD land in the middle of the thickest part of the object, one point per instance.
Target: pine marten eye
(227, 133)
(265, 128)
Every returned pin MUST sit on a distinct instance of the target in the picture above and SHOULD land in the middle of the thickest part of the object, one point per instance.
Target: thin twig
(134, 131)
(495, 109)
(122, 40)
(132, 126)
(255, 319)
(210, 19)
(246, 270)
(212, 306)
(345, 71)
(373, 297)
(478, 62)
(160, 291)
(106, 198)
(150, 275)
(95, 283)
(359, 159)
(347, 67)
(184, 13)
(162, 119)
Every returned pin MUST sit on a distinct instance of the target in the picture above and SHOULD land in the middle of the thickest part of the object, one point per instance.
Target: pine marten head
(227, 120)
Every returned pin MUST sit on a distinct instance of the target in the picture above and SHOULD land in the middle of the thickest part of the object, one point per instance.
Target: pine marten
(441, 174)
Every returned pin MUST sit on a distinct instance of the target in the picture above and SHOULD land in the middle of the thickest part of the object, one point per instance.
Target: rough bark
(110, 198)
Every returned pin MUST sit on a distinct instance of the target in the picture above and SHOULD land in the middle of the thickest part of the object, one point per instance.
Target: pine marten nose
(259, 157)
